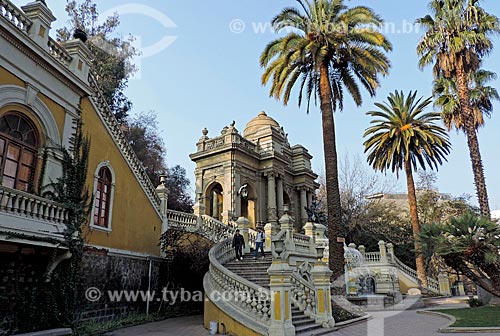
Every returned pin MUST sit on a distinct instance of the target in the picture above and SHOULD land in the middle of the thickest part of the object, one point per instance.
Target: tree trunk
(472, 141)
(412, 200)
(336, 254)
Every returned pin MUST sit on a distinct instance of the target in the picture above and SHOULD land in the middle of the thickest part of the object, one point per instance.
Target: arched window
(103, 197)
(19, 143)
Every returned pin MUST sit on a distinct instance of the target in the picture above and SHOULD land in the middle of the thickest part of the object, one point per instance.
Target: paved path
(387, 323)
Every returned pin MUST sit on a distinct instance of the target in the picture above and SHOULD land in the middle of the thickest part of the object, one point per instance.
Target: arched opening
(248, 200)
(215, 201)
(19, 142)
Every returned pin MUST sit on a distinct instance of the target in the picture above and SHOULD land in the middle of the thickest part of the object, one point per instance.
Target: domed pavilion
(256, 174)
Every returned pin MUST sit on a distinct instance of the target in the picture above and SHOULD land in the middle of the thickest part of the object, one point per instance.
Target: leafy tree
(403, 136)
(458, 35)
(328, 52)
(179, 197)
(470, 244)
(111, 55)
(145, 139)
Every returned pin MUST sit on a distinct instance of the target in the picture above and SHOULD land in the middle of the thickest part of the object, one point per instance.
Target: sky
(200, 68)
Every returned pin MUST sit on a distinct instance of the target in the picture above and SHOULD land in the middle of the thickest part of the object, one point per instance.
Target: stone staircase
(255, 271)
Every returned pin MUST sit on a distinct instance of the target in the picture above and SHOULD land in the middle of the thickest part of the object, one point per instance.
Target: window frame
(33, 150)
(93, 225)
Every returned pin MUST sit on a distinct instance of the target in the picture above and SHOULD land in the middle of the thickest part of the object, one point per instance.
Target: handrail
(29, 205)
(235, 294)
(372, 257)
(15, 16)
(216, 230)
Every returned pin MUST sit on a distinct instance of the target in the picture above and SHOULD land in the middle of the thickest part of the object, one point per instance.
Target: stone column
(303, 205)
(444, 284)
(309, 198)
(243, 227)
(321, 281)
(271, 198)
(383, 252)
(281, 302)
(390, 252)
(279, 193)
(309, 230)
(162, 192)
(286, 224)
(215, 205)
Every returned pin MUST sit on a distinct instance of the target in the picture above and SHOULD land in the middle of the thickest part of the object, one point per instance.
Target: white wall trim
(111, 197)
(13, 94)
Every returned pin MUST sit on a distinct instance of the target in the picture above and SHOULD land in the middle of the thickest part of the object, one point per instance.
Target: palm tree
(469, 244)
(457, 38)
(403, 137)
(330, 50)
(481, 97)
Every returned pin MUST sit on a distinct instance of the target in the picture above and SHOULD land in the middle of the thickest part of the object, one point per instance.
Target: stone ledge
(51, 332)
(449, 329)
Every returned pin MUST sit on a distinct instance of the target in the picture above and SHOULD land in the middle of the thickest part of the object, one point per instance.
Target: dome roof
(259, 122)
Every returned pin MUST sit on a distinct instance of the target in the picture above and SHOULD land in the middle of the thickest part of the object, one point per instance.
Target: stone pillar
(390, 252)
(309, 198)
(286, 224)
(279, 194)
(444, 284)
(383, 252)
(41, 18)
(281, 302)
(321, 281)
(309, 230)
(362, 249)
(303, 205)
(80, 58)
(162, 192)
(215, 205)
(271, 198)
(243, 227)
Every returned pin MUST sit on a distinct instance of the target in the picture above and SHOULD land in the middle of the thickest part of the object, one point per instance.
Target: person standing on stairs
(238, 244)
(259, 242)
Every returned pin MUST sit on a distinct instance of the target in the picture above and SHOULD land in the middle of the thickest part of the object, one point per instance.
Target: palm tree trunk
(472, 141)
(412, 200)
(335, 232)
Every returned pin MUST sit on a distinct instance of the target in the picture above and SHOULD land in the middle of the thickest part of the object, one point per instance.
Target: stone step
(299, 330)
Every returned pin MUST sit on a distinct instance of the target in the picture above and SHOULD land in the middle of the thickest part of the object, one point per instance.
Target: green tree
(179, 197)
(111, 55)
(469, 244)
(145, 139)
(330, 51)
(481, 98)
(403, 136)
(458, 35)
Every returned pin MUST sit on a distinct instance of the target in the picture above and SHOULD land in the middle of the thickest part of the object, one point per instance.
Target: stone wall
(106, 273)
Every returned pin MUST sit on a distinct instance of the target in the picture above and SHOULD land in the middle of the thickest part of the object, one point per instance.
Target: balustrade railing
(183, 220)
(372, 257)
(303, 295)
(215, 230)
(15, 16)
(59, 52)
(234, 294)
(27, 205)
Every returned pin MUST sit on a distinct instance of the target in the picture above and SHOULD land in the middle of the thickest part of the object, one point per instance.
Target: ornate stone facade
(255, 174)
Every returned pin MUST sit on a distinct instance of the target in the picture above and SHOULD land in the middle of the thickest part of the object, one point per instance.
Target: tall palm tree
(458, 35)
(403, 136)
(481, 97)
(330, 50)
(469, 244)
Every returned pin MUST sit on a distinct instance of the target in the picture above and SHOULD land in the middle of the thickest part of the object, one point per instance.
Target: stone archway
(248, 202)
(214, 197)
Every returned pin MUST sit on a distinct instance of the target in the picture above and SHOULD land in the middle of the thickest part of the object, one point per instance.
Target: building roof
(258, 123)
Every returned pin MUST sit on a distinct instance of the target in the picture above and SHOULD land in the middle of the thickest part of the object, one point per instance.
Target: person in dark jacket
(238, 244)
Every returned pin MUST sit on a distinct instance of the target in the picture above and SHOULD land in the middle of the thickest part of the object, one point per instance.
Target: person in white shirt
(259, 243)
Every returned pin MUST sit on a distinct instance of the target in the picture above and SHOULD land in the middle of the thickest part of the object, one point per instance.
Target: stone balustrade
(186, 221)
(15, 16)
(27, 205)
(239, 298)
(372, 257)
(303, 295)
(59, 52)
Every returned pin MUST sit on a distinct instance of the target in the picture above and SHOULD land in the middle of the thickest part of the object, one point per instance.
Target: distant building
(495, 215)
(400, 200)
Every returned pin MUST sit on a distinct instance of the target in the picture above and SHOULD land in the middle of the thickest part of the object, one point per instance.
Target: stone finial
(232, 123)
(204, 132)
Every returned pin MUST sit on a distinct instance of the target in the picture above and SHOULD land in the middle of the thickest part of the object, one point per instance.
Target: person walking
(259, 242)
(238, 244)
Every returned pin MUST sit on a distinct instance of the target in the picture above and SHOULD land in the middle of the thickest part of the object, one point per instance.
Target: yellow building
(45, 88)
